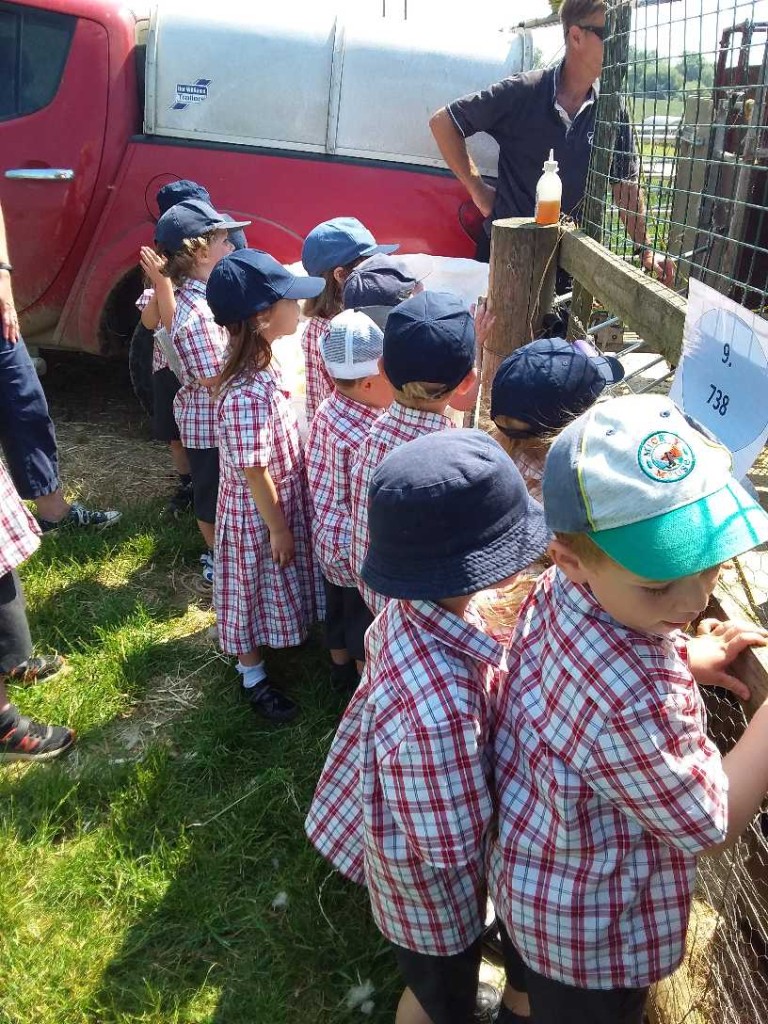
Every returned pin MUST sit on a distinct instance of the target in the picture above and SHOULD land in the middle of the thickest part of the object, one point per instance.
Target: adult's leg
(27, 435)
(28, 440)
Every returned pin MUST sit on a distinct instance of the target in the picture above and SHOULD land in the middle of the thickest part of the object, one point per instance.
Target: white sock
(252, 674)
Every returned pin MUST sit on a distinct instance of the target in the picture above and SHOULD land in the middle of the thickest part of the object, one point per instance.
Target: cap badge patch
(665, 457)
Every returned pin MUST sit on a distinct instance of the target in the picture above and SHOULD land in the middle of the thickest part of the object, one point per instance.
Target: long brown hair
(330, 302)
(248, 351)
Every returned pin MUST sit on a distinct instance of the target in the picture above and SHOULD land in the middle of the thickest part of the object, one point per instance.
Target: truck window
(33, 51)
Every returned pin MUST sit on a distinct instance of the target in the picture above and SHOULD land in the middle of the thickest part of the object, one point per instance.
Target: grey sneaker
(79, 515)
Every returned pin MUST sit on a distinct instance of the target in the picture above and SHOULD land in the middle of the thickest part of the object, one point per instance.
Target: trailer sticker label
(194, 93)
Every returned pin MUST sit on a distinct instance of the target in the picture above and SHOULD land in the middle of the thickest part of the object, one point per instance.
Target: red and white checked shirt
(531, 467)
(19, 532)
(159, 360)
(398, 425)
(317, 381)
(607, 787)
(404, 800)
(200, 344)
(339, 428)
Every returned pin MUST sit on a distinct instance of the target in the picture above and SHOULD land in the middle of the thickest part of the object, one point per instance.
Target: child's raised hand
(283, 549)
(715, 646)
(151, 263)
(484, 321)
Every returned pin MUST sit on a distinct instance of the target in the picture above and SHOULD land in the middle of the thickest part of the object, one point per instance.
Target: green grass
(137, 874)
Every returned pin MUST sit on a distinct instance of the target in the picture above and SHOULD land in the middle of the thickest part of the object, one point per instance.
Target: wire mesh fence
(693, 88)
(690, 79)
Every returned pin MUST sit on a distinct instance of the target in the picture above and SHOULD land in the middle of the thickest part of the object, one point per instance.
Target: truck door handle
(40, 174)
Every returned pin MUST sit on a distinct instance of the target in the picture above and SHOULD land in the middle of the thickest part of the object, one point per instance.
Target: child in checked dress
(264, 583)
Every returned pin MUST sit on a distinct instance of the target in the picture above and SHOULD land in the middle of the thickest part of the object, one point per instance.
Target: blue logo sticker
(194, 93)
(666, 457)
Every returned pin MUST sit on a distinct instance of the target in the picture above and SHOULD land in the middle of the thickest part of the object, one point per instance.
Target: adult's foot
(80, 516)
(37, 669)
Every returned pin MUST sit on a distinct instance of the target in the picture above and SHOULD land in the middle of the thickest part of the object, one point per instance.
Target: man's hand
(8, 309)
(715, 646)
(483, 196)
(659, 265)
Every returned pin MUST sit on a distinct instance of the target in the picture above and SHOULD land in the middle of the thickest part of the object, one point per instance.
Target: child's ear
(464, 396)
(568, 562)
(340, 274)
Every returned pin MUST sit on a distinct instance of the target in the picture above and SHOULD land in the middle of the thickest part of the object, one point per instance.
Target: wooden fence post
(521, 287)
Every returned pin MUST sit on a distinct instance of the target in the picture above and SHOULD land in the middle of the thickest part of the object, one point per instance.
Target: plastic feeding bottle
(549, 193)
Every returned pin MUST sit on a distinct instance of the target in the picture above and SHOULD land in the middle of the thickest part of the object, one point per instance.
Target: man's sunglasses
(596, 30)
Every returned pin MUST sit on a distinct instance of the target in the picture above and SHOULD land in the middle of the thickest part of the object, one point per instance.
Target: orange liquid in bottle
(547, 211)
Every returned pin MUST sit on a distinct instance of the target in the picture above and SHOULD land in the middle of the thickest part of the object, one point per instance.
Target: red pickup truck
(285, 124)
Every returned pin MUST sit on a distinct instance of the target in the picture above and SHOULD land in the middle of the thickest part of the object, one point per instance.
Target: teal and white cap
(650, 489)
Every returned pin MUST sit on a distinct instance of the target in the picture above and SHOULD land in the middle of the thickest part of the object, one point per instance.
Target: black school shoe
(270, 703)
(344, 678)
(22, 739)
(487, 1003)
(80, 516)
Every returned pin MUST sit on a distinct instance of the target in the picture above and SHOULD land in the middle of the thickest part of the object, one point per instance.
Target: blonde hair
(585, 549)
(500, 608)
(180, 264)
(415, 391)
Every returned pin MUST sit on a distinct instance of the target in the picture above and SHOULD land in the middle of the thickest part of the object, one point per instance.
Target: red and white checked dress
(317, 381)
(338, 430)
(608, 789)
(19, 532)
(200, 344)
(256, 601)
(404, 801)
(397, 425)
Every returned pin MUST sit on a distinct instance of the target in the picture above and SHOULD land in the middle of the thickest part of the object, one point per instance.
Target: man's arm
(453, 147)
(628, 197)
(7, 307)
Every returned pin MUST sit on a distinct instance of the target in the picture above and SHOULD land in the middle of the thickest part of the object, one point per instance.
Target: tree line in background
(657, 77)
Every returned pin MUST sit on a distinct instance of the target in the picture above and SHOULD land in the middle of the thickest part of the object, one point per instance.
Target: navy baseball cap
(177, 191)
(550, 381)
(429, 337)
(449, 514)
(245, 282)
(337, 242)
(383, 281)
(191, 218)
(236, 236)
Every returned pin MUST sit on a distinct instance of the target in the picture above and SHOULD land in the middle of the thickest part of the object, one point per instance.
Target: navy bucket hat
(338, 242)
(448, 515)
(548, 382)
(245, 282)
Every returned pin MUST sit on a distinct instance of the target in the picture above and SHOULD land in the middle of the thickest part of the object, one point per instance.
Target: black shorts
(15, 641)
(347, 617)
(204, 467)
(165, 384)
(554, 1002)
(445, 986)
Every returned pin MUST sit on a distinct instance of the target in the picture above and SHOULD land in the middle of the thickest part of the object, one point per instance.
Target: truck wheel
(140, 366)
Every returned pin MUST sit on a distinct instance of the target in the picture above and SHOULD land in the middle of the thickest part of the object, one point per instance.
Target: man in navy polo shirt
(533, 112)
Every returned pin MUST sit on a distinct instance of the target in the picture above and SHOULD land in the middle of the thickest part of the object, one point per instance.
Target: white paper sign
(722, 379)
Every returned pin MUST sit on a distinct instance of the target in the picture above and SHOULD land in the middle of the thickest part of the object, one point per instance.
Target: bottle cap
(551, 164)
